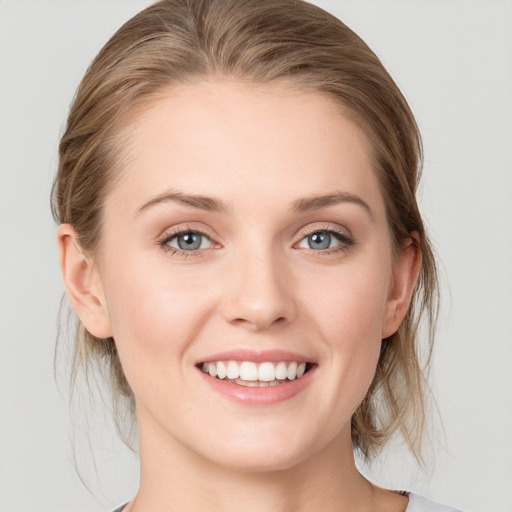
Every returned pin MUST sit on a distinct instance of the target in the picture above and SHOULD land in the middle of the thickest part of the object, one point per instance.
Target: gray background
(453, 60)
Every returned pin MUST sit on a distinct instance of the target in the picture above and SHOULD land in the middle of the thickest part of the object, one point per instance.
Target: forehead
(230, 139)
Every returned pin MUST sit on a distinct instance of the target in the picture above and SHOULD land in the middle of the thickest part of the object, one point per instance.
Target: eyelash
(345, 241)
(164, 240)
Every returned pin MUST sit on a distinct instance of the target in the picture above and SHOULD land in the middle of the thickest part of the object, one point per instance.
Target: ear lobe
(405, 277)
(83, 283)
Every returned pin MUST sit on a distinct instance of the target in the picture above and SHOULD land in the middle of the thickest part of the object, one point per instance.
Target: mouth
(254, 374)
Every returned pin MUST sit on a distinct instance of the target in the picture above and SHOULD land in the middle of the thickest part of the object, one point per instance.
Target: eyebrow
(316, 202)
(195, 201)
(302, 205)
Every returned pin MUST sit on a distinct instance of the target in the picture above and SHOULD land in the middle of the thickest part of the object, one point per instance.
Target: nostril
(260, 322)
(258, 308)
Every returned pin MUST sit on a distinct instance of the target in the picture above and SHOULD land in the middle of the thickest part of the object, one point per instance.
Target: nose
(260, 294)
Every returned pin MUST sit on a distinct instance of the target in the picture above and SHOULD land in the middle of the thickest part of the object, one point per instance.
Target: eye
(323, 240)
(187, 241)
(319, 241)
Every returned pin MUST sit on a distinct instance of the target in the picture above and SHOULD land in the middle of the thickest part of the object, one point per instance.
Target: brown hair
(181, 41)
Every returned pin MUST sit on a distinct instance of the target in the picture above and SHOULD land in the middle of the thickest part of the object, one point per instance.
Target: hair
(255, 41)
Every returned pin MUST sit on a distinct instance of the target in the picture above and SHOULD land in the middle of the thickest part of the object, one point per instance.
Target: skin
(254, 284)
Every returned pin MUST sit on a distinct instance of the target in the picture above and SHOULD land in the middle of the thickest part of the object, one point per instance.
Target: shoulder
(418, 503)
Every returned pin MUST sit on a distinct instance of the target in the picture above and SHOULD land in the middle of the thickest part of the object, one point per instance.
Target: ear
(83, 283)
(405, 275)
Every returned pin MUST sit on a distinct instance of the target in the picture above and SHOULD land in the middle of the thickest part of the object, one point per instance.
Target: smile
(252, 374)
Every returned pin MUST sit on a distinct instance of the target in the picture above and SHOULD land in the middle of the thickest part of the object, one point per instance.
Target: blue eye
(319, 241)
(189, 241)
(324, 240)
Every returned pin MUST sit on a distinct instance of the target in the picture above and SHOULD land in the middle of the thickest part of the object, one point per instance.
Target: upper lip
(257, 356)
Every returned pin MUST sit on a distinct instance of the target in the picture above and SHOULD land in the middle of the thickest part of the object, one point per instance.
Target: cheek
(352, 332)
(347, 307)
(349, 303)
(155, 315)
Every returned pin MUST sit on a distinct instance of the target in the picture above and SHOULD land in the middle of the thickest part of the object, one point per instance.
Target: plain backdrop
(453, 61)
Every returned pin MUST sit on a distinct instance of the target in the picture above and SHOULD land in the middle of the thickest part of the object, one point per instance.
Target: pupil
(189, 241)
(319, 241)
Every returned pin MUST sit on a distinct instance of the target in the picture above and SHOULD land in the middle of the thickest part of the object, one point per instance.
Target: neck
(174, 478)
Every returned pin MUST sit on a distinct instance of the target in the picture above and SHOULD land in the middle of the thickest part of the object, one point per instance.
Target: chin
(258, 453)
(258, 462)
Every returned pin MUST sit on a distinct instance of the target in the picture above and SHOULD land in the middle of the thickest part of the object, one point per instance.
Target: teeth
(222, 371)
(212, 369)
(247, 383)
(281, 371)
(266, 372)
(248, 373)
(292, 371)
(233, 370)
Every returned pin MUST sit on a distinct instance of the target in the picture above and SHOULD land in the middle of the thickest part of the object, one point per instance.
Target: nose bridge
(260, 292)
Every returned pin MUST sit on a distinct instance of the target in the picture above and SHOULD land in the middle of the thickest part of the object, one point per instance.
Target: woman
(240, 239)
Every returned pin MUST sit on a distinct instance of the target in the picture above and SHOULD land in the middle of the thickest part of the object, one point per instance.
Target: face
(245, 273)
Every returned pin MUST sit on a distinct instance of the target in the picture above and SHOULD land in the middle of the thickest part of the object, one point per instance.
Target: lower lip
(256, 395)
